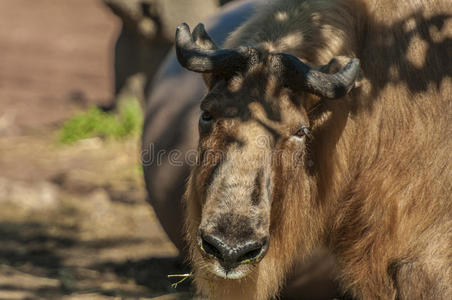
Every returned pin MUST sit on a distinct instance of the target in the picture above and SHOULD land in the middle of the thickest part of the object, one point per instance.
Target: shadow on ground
(36, 261)
(75, 224)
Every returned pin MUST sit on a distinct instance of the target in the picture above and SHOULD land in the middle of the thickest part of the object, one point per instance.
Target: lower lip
(233, 274)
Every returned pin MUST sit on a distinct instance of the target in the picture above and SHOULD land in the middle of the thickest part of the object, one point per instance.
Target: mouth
(236, 273)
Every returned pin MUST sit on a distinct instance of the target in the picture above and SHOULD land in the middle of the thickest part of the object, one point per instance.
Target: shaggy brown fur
(373, 183)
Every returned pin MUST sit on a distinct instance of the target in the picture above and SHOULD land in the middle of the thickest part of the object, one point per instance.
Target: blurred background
(74, 74)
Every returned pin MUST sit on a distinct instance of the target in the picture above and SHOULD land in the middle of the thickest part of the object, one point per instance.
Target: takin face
(254, 131)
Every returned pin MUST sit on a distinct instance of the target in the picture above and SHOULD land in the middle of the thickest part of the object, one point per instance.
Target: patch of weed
(127, 121)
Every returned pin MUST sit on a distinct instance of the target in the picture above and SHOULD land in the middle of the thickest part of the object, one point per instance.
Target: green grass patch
(126, 122)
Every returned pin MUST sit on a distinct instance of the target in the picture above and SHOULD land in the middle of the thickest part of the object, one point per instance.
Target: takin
(169, 141)
(327, 123)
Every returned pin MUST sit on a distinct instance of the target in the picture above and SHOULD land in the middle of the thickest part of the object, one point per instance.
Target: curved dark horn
(331, 86)
(202, 39)
(196, 57)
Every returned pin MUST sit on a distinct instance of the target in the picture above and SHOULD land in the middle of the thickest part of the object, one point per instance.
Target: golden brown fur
(376, 191)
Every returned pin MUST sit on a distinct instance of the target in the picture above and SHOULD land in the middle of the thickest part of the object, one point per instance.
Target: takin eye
(205, 122)
(303, 131)
(206, 117)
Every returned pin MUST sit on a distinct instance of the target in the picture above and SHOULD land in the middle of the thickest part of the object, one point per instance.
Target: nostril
(250, 255)
(209, 248)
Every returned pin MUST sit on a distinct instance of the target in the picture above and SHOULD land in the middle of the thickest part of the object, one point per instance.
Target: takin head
(254, 130)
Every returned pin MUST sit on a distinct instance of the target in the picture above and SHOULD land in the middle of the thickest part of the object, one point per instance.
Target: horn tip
(199, 26)
(198, 31)
(354, 62)
(183, 35)
(183, 27)
(352, 67)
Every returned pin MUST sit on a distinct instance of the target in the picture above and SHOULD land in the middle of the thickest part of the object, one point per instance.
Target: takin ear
(338, 63)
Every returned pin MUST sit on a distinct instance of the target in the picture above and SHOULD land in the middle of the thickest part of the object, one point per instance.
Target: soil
(74, 223)
(54, 57)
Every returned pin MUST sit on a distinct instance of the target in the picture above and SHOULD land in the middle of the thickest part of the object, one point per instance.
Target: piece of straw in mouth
(184, 277)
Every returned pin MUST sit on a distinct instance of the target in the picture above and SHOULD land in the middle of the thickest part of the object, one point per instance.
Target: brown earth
(54, 56)
(74, 223)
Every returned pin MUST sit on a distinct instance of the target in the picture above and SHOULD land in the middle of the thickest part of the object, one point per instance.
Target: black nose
(231, 256)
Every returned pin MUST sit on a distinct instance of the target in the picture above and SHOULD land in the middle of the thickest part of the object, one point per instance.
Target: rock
(41, 195)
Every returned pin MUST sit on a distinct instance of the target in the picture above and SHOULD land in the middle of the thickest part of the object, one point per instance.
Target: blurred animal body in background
(147, 35)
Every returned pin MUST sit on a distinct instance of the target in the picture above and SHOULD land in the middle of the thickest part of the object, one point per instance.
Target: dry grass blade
(184, 277)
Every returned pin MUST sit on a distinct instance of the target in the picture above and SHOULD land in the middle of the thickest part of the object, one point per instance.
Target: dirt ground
(55, 56)
(74, 223)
